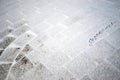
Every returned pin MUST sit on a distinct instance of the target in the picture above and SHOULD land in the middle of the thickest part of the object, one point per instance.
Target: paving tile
(20, 30)
(10, 53)
(41, 52)
(27, 49)
(19, 23)
(40, 72)
(1, 51)
(38, 41)
(114, 39)
(81, 66)
(11, 7)
(76, 46)
(99, 51)
(4, 69)
(72, 20)
(56, 18)
(115, 25)
(86, 78)
(19, 57)
(67, 8)
(54, 62)
(97, 33)
(52, 59)
(67, 26)
(24, 38)
(105, 71)
(20, 68)
(63, 74)
(115, 59)
(4, 24)
(6, 41)
(34, 57)
(56, 29)
(42, 27)
(5, 32)
(14, 16)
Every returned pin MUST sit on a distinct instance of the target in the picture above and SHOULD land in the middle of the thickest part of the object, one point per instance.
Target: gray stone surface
(81, 66)
(114, 38)
(54, 62)
(27, 49)
(5, 32)
(39, 72)
(4, 69)
(105, 71)
(86, 78)
(6, 41)
(20, 30)
(115, 59)
(10, 53)
(24, 38)
(1, 51)
(100, 51)
(20, 68)
(19, 22)
(63, 74)
(60, 39)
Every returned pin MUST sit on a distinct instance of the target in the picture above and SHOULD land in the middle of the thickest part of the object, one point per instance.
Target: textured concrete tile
(20, 30)
(4, 24)
(56, 18)
(105, 71)
(67, 8)
(39, 72)
(6, 9)
(76, 46)
(72, 20)
(1, 51)
(15, 17)
(42, 73)
(10, 53)
(19, 57)
(67, 34)
(27, 49)
(19, 23)
(100, 50)
(6, 41)
(86, 78)
(54, 62)
(11, 77)
(97, 33)
(20, 68)
(63, 74)
(114, 39)
(52, 59)
(68, 26)
(79, 21)
(40, 54)
(78, 27)
(34, 57)
(24, 38)
(81, 66)
(41, 27)
(5, 32)
(55, 31)
(4, 69)
(38, 41)
(115, 25)
(115, 59)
